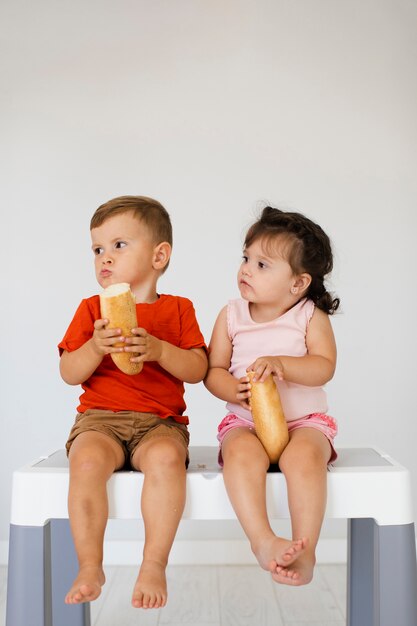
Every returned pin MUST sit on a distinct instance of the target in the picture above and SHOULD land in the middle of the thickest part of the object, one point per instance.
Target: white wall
(212, 108)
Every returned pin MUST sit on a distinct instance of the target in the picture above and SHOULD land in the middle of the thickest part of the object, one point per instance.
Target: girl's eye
(120, 244)
(244, 259)
(98, 251)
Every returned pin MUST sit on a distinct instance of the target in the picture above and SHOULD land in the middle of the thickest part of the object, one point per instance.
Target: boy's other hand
(150, 348)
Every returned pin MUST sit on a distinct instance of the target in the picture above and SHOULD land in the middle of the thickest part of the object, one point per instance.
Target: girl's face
(265, 277)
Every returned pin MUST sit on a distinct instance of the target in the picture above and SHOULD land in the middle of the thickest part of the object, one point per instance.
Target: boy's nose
(107, 261)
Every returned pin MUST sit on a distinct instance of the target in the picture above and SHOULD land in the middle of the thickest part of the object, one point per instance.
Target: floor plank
(336, 579)
(114, 605)
(192, 596)
(309, 623)
(309, 604)
(212, 595)
(247, 597)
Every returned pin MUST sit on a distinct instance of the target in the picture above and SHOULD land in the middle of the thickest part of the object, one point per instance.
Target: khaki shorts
(129, 428)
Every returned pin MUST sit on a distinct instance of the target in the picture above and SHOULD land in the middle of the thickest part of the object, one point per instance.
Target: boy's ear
(301, 283)
(162, 254)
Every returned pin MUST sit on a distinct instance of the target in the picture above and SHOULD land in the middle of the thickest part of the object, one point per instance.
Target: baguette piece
(118, 305)
(268, 416)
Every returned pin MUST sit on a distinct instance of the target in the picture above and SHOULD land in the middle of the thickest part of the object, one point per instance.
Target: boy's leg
(304, 464)
(244, 473)
(162, 460)
(93, 458)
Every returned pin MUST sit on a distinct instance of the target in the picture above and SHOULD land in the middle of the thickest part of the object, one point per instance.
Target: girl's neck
(262, 312)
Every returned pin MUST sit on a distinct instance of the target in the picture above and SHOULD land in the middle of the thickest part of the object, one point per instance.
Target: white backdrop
(213, 108)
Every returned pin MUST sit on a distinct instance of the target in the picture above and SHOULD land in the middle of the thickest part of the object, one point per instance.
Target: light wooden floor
(220, 596)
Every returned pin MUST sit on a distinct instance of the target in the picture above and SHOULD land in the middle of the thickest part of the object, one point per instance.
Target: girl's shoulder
(237, 315)
(306, 307)
(301, 314)
(239, 307)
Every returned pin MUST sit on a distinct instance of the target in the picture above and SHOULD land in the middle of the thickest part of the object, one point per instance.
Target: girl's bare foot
(150, 590)
(299, 573)
(275, 552)
(87, 586)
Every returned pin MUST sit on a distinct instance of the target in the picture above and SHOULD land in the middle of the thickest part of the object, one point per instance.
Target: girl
(280, 326)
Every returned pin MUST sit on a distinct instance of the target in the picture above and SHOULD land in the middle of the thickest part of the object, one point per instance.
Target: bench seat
(365, 486)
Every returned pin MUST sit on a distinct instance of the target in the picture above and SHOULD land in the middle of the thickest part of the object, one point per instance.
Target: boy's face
(124, 252)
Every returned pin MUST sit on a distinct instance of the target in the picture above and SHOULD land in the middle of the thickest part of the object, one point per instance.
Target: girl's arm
(315, 368)
(219, 381)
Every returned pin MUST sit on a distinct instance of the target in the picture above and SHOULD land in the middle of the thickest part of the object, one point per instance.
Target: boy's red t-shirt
(154, 390)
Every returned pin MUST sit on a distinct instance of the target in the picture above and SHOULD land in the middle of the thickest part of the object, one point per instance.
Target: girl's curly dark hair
(309, 250)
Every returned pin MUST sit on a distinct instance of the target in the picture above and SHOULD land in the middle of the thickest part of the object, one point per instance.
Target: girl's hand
(265, 365)
(103, 338)
(243, 392)
(149, 347)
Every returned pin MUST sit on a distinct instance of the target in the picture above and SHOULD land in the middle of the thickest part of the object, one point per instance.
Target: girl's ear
(162, 254)
(301, 284)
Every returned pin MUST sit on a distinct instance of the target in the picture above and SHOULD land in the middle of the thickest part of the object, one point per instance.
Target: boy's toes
(137, 601)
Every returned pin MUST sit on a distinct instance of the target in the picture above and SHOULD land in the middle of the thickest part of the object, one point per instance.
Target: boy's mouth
(105, 273)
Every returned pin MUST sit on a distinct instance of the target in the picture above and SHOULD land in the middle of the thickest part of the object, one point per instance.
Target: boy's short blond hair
(147, 210)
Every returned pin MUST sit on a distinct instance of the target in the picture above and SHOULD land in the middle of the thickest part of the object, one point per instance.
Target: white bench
(365, 486)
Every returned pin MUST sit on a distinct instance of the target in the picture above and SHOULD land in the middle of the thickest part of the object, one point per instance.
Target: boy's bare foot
(150, 590)
(87, 586)
(299, 573)
(277, 552)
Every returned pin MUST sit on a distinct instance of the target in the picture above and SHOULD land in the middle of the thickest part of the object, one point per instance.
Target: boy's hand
(243, 392)
(149, 347)
(265, 365)
(103, 339)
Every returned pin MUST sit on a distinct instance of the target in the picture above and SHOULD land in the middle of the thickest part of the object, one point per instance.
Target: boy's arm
(219, 381)
(78, 365)
(190, 365)
(315, 368)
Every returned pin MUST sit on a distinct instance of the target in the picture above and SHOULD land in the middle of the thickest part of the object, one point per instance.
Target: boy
(136, 420)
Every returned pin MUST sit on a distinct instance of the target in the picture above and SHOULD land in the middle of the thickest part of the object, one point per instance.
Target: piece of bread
(268, 417)
(118, 305)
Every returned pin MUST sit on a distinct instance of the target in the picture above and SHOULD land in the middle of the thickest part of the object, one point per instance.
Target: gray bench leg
(64, 568)
(42, 566)
(25, 577)
(382, 575)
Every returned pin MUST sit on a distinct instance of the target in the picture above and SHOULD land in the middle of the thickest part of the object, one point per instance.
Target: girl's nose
(107, 261)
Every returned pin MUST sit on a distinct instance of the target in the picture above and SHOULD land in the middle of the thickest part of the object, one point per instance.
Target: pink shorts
(320, 421)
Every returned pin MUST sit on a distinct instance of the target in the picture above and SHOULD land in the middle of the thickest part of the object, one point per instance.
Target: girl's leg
(162, 460)
(93, 458)
(304, 464)
(244, 473)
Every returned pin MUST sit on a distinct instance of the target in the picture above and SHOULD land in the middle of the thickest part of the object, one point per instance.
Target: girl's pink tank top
(285, 335)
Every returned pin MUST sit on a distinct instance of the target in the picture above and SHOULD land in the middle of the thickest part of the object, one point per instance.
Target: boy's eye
(97, 250)
(261, 265)
(244, 259)
(120, 244)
